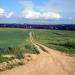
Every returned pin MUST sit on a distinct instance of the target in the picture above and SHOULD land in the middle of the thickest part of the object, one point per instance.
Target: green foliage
(19, 53)
(69, 43)
(57, 39)
(10, 66)
(5, 59)
(30, 48)
(14, 41)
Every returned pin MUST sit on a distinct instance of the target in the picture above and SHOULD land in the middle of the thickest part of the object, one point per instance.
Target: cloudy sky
(37, 11)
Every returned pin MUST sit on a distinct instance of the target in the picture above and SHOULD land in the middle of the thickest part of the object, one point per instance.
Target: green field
(57, 39)
(12, 38)
(14, 41)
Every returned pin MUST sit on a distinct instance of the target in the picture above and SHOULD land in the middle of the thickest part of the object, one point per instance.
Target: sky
(37, 11)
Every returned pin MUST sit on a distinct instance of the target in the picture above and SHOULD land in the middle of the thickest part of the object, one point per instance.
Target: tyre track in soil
(61, 60)
(48, 62)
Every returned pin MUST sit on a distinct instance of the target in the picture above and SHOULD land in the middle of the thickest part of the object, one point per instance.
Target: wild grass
(69, 43)
(15, 41)
(10, 66)
(5, 59)
(57, 39)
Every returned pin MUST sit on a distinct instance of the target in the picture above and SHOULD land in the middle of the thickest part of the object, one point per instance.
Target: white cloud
(29, 11)
(2, 12)
(5, 14)
(40, 15)
(10, 14)
(51, 15)
(31, 14)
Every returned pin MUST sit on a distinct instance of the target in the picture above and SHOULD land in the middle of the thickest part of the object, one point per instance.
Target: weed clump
(70, 43)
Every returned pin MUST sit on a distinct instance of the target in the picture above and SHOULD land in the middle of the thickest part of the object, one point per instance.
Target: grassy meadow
(14, 41)
(57, 39)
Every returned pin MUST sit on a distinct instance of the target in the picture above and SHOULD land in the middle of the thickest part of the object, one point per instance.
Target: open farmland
(30, 41)
(57, 39)
(14, 41)
(12, 37)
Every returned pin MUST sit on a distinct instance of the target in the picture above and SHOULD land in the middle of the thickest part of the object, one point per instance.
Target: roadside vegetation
(14, 44)
(57, 39)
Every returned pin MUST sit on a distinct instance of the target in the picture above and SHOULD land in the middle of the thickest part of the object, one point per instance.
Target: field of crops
(14, 42)
(57, 39)
(12, 38)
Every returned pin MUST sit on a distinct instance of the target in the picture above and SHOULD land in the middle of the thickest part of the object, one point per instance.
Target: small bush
(20, 63)
(5, 59)
(31, 48)
(19, 53)
(10, 66)
(69, 43)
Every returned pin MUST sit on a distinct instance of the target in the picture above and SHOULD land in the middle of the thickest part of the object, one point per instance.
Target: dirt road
(48, 62)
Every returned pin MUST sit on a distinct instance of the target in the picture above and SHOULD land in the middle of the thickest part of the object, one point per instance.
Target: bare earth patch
(8, 56)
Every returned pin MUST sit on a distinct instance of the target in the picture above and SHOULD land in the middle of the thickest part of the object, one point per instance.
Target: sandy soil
(46, 63)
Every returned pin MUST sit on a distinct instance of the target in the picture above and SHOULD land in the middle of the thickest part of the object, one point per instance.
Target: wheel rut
(47, 62)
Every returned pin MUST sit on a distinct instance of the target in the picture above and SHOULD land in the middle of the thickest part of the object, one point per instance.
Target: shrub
(19, 53)
(5, 59)
(69, 43)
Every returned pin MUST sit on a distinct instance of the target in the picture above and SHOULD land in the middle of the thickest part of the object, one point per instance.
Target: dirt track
(46, 63)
